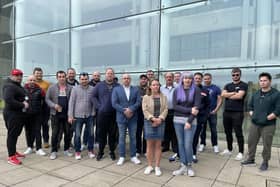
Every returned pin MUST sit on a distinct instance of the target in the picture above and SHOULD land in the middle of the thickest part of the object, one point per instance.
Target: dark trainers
(264, 166)
(99, 156)
(248, 163)
(113, 156)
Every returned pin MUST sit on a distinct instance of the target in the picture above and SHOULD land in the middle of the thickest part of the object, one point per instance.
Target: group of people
(154, 116)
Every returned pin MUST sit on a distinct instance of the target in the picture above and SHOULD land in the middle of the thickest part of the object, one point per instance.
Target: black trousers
(14, 124)
(201, 122)
(58, 123)
(233, 121)
(169, 133)
(141, 143)
(33, 131)
(107, 127)
(45, 116)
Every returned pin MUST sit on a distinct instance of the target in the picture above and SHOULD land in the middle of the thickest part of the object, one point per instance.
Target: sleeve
(197, 103)
(136, 105)
(95, 96)
(277, 105)
(165, 108)
(115, 100)
(251, 103)
(48, 100)
(71, 104)
(145, 108)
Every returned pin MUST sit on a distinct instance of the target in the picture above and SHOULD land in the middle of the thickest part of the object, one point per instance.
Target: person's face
(126, 80)
(169, 79)
(38, 75)
(31, 81)
(84, 80)
(143, 81)
(150, 74)
(155, 86)
(17, 78)
(264, 82)
(71, 74)
(109, 75)
(187, 81)
(61, 78)
(177, 77)
(207, 80)
(197, 80)
(96, 76)
(235, 76)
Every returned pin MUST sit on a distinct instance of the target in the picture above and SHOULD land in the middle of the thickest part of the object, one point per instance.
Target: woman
(186, 100)
(155, 110)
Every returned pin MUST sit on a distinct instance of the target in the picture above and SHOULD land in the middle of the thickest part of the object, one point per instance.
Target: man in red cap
(14, 112)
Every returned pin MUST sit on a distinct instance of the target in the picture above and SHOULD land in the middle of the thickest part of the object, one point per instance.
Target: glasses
(235, 75)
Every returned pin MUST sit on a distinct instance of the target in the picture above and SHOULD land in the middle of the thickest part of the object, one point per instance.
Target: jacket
(36, 97)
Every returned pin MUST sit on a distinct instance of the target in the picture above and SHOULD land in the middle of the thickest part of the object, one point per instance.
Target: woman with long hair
(155, 110)
(186, 100)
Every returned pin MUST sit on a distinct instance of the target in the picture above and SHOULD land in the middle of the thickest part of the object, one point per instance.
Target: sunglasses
(235, 75)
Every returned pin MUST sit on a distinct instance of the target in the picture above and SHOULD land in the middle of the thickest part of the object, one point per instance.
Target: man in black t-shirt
(234, 94)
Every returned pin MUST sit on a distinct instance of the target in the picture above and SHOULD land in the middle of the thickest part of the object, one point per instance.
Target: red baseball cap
(16, 72)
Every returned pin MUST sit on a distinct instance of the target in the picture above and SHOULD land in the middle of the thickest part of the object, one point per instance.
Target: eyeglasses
(235, 75)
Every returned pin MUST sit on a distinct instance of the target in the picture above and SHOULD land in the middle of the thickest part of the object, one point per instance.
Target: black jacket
(35, 99)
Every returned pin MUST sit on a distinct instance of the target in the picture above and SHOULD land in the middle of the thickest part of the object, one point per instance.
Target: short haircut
(172, 74)
(60, 72)
(198, 73)
(208, 74)
(110, 69)
(236, 70)
(71, 69)
(265, 74)
(37, 69)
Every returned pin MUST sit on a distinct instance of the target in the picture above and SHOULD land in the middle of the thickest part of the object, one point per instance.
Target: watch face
(237, 88)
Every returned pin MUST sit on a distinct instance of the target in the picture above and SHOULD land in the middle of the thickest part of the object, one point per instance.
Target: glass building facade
(135, 35)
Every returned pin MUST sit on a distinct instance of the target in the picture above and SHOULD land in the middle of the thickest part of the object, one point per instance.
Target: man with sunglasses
(234, 94)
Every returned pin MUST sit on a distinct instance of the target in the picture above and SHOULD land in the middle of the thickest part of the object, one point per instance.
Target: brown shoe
(46, 145)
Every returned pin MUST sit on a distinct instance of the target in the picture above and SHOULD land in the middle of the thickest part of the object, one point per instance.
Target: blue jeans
(132, 127)
(212, 119)
(78, 130)
(185, 142)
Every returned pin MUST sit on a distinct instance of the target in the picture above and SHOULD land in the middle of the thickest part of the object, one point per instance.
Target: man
(177, 76)
(234, 94)
(14, 113)
(140, 140)
(36, 96)
(126, 100)
(203, 113)
(102, 95)
(264, 108)
(95, 78)
(71, 77)
(169, 131)
(57, 98)
(215, 104)
(45, 115)
(150, 74)
(82, 111)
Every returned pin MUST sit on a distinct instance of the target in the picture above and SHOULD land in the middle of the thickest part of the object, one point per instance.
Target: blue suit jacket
(119, 102)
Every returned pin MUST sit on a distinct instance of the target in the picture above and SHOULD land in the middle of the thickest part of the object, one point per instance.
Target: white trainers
(91, 154)
(201, 148)
(41, 152)
(135, 160)
(216, 149)
(53, 156)
(28, 151)
(239, 156)
(68, 153)
(226, 152)
(181, 171)
(120, 161)
(78, 156)
(190, 172)
(148, 170)
(157, 171)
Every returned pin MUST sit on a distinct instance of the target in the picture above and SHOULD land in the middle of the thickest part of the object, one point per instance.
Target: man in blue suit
(126, 100)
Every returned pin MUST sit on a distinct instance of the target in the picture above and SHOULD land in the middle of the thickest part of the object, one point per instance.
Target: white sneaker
(68, 153)
(135, 160)
(148, 170)
(53, 156)
(91, 154)
(41, 152)
(216, 149)
(190, 172)
(28, 151)
(181, 171)
(120, 161)
(157, 171)
(239, 156)
(78, 156)
(201, 148)
(226, 152)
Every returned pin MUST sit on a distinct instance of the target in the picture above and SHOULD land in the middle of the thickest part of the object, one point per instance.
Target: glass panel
(89, 11)
(33, 16)
(4, 2)
(6, 22)
(129, 44)
(49, 51)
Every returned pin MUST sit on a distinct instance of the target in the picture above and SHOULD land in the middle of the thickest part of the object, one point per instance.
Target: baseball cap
(16, 72)
(143, 75)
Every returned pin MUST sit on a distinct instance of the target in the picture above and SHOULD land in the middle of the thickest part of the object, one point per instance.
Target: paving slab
(184, 180)
(231, 172)
(247, 179)
(49, 165)
(136, 183)
(222, 184)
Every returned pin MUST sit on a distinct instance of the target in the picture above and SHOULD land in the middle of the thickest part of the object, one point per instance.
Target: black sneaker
(113, 156)
(99, 156)
(264, 166)
(248, 163)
